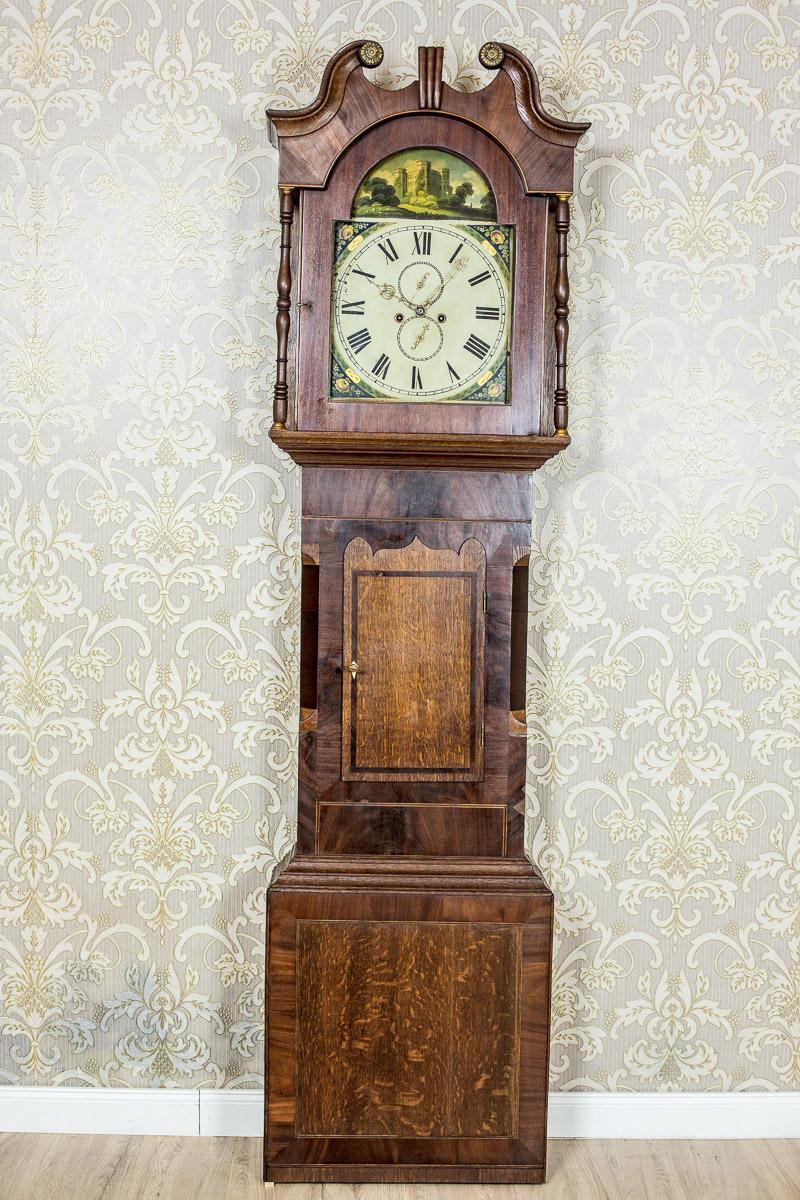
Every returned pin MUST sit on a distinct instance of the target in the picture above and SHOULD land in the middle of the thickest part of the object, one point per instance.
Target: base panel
(408, 1021)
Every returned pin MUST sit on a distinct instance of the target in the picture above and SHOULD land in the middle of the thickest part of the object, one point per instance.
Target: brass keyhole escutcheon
(352, 667)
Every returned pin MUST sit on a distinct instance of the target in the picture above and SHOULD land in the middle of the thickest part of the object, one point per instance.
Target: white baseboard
(660, 1116)
(99, 1110)
(192, 1112)
(232, 1114)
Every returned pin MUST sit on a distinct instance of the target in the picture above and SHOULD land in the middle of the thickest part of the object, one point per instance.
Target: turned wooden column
(560, 406)
(280, 405)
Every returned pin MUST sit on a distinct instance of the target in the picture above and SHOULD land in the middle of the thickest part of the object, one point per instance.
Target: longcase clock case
(409, 939)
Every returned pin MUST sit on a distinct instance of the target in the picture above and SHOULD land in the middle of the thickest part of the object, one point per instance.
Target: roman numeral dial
(477, 346)
(381, 367)
(421, 312)
(358, 340)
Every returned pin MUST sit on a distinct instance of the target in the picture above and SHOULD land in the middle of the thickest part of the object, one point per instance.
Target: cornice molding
(454, 451)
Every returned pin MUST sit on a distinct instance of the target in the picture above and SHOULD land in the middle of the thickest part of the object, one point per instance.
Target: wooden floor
(62, 1167)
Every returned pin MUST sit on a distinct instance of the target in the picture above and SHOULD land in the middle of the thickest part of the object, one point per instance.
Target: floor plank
(70, 1167)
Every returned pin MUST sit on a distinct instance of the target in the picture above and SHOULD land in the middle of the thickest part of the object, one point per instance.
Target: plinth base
(420, 1173)
(408, 1019)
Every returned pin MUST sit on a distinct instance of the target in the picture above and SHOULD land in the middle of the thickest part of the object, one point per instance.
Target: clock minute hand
(459, 265)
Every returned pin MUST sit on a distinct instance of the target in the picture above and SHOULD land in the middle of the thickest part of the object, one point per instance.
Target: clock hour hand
(386, 290)
(390, 293)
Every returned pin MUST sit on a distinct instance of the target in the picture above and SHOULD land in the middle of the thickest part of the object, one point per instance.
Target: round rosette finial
(491, 55)
(370, 54)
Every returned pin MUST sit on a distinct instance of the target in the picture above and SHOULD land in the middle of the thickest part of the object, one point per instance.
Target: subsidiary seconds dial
(421, 312)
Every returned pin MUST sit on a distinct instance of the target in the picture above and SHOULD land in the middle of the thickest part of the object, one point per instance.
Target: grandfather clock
(421, 377)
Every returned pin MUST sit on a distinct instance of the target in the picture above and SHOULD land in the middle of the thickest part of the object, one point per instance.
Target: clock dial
(421, 312)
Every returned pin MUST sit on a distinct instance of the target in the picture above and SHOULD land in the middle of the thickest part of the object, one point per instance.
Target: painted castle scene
(424, 183)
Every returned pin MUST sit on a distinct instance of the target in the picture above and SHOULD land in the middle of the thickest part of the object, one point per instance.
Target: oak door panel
(413, 650)
(427, 620)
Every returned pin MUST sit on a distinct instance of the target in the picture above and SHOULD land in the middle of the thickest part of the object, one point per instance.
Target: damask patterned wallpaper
(149, 536)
